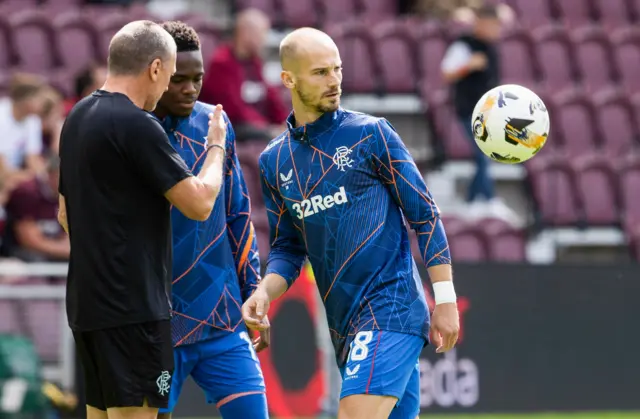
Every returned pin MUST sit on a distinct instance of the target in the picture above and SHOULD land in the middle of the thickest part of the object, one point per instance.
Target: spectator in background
(52, 117)
(87, 81)
(33, 233)
(21, 145)
(471, 65)
(234, 79)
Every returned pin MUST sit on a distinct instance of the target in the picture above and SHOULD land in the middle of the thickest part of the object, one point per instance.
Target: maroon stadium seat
(9, 7)
(506, 243)
(360, 72)
(629, 175)
(106, 28)
(448, 130)
(554, 191)
(533, 13)
(267, 6)
(34, 42)
(77, 41)
(597, 190)
(378, 9)
(8, 57)
(467, 244)
(626, 44)
(518, 64)
(432, 45)
(332, 11)
(10, 316)
(575, 119)
(556, 59)
(612, 14)
(574, 13)
(44, 321)
(618, 126)
(298, 13)
(594, 58)
(210, 35)
(395, 50)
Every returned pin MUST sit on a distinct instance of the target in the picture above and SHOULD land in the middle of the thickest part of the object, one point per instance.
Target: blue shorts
(222, 367)
(385, 364)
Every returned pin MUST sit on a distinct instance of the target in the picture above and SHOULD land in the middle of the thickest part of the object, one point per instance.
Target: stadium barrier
(534, 338)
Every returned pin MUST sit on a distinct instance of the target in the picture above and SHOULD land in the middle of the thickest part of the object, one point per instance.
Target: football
(510, 124)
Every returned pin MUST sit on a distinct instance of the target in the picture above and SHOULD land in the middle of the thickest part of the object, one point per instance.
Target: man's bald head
(303, 43)
(136, 45)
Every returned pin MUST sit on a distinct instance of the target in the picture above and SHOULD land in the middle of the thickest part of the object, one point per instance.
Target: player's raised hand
(445, 326)
(217, 133)
(255, 309)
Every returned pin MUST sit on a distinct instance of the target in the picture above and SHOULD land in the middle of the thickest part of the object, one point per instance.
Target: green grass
(586, 415)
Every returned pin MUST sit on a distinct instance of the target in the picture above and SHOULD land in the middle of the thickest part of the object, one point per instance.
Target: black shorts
(125, 365)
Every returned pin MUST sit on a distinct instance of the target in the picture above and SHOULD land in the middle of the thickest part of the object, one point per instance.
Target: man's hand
(254, 310)
(445, 326)
(264, 340)
(217, 134)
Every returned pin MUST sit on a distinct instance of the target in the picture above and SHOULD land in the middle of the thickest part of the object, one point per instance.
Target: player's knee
(246, 406)
(366, 406)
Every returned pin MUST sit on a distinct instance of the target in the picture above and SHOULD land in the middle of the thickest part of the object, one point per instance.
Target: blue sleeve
(404, 181)
(288, 253)
(239, 227)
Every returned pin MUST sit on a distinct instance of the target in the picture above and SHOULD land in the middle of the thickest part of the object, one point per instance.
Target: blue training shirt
(338, 191)
(216, 265)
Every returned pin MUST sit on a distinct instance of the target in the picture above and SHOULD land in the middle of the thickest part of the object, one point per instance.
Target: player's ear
(154, 69)
(287, 79)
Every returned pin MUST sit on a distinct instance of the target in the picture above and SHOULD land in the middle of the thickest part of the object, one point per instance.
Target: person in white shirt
(21, 128)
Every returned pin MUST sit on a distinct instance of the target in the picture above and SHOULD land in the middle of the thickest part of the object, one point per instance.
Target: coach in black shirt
(119, 175)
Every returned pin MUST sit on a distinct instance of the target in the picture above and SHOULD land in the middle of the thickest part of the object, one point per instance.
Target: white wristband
(444, 292)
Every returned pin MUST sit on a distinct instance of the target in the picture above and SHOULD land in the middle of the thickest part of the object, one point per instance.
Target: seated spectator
(234, 79)
(52, 119)
(87, 81)
(33, 233)
(21, 145)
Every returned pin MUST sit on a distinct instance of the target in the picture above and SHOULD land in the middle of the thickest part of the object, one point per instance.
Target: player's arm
(239, 227)
(285, 259)
(62, 213)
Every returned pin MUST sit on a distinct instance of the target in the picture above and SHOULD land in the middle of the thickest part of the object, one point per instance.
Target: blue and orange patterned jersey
(340, 191)
(216, 265)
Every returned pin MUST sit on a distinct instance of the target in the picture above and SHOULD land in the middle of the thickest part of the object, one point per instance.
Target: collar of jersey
(170, 123)
(314, 129)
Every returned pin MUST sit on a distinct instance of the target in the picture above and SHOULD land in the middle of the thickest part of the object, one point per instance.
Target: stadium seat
(9, 7)
(626, 44)
(210, 35)
(506, 244)
(629, 177)
(594, 58)
(34, 42)
(575, 119)
(77, 41)
(267, 6)
(556, 59)
(612, 14)
(448, 131)
(106, 28)
(518, 62)
(533, 13)
(298, 13)
(332, 11)
(554, 191)
(373, 10)
(395, 50)
(8, 57)
(10, 315)
(360, 73)
(574, 13)
(618, 125)
(432, 44)
(597, 190)
(467, 244)
(43, 321)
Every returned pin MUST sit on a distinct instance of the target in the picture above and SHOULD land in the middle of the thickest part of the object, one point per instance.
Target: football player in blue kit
(216, 264)
(339, 188)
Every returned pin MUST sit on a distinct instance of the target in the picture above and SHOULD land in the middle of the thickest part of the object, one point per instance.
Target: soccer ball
(510, 124)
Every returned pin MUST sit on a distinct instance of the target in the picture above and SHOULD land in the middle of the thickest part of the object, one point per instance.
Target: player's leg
(229, 373)
(185, 358)
(377, 372)
(92, 387)
(409, 405)
(135, 365)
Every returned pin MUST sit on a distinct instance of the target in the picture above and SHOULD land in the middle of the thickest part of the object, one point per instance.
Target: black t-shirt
(116, 165)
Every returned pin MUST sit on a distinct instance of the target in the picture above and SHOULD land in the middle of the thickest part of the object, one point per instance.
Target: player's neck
(304, 116)
(127, 86)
